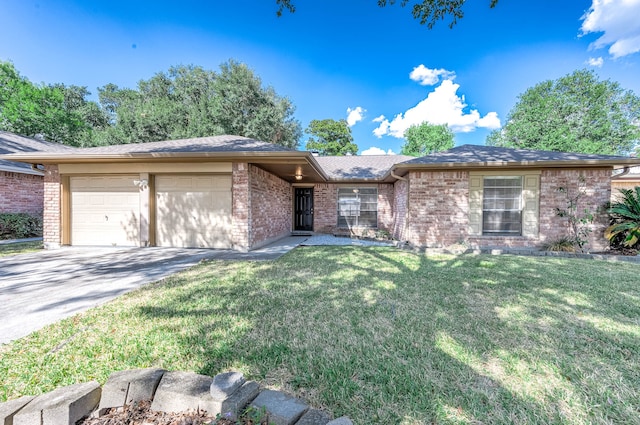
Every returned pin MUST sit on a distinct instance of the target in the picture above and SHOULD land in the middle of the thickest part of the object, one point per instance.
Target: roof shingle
(14, 143)
(482, 154)
(223, 143)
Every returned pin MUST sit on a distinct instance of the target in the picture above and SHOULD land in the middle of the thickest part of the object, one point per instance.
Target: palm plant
(626, 218)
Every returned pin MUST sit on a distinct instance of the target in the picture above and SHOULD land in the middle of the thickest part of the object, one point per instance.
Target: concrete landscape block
(283, 409)
(224, 384)
(183, 391)
(234, 404)
(63, 406)
(343, 420)
(9, 408)
(128, 386)
(314, 417)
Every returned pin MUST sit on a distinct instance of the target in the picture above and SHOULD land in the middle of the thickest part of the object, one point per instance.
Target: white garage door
(105, 211)
(193, 211)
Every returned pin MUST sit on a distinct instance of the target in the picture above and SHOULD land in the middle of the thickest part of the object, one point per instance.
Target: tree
(189, 101)
(58, 113)
(331, 137)
(427, 138)
(429, 12)
(243, 107)
(576, 113)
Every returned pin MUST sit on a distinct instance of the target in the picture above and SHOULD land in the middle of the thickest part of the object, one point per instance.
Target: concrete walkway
(40, 288)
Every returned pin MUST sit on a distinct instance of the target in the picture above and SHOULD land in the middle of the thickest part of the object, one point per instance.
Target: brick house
(238, 193)
(629, 178)
(21, 185)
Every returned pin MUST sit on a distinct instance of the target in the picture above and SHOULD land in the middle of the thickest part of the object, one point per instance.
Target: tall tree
(426, 138)
(244, 107)
(428, 12)
(330, 137)
(576, 113)
(58, 113)
(189, 101)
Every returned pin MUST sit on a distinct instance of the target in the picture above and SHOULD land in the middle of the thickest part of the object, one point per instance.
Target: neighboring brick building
(239, 193)
(21, 185)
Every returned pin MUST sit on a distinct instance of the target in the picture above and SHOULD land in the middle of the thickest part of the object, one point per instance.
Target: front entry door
(303, 209)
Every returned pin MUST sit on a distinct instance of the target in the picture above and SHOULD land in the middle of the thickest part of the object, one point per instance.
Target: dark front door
(303, 208)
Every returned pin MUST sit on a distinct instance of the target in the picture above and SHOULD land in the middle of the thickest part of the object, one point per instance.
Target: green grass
(381, 335)
(20, 248)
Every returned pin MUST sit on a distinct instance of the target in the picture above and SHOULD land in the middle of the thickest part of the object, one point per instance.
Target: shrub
(20, 225)
(625, 219)
(565, 244)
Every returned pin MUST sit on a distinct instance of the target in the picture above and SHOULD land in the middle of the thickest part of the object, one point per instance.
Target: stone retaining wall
(226, 394)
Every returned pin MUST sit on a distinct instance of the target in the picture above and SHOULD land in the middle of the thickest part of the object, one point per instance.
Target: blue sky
(333, 57)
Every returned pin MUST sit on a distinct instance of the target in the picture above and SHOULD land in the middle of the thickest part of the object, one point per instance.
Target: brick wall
(438, 210)
(325, 205)
(385, 207)
(271, 204)
(325, 208)
(400, 192)
(439, 204)
(21, 193)
(240, 206)
(52, 227)
(598, 192)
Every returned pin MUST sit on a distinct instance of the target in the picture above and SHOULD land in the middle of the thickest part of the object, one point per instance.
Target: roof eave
(402, 169)
(243, 156)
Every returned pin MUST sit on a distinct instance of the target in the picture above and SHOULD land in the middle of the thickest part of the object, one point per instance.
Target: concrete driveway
(41, 288)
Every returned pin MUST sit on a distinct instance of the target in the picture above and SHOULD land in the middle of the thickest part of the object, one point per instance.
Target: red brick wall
(21, 193)
(240, 204)
(52, 227)
(400, 192)
(385, 207)
(325, 205)
(438, 211)
(271, 204)
(325, 208)
(439, 207)
(598, 192)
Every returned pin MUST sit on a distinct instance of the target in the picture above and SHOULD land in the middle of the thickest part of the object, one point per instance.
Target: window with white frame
(357, 207)
(502, 206)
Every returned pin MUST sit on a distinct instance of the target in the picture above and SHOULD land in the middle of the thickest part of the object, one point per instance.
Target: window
(502, 206)
(358, 207)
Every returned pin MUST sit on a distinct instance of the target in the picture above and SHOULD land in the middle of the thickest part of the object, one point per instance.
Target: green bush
(625, 220)
(20, 225)
(564, 244)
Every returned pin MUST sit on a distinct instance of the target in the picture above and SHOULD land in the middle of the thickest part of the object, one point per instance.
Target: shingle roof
(224, 143)
(467, 154)
(358, 167)
(13, 143)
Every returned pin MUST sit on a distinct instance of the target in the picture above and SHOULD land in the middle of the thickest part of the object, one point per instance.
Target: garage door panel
(105, 211)
(193, 211)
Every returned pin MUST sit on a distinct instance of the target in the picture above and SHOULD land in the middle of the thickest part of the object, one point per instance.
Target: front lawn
(381, 335)
(20, 248)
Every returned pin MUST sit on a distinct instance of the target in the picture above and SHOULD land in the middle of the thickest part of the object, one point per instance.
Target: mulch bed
(141, 414)
(619, 251)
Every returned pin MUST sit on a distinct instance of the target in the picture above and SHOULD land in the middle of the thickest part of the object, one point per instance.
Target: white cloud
(429, 77)
(379, 119)
(619, 22)
(442, 106)
(354, 115)
(596, 62)
(376, 151)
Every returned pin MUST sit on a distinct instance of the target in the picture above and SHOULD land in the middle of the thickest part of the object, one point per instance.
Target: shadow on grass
(393, 337)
